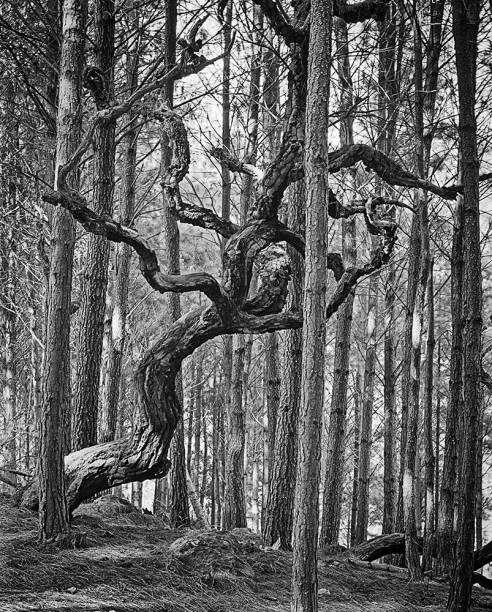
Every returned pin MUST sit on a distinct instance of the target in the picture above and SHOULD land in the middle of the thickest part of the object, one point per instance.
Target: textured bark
(53, 515)
(367, 410)
(226, 215)
(390, 44)
(419, 252)
(9, 238)
(356, 455)
(179, 499)
(446, 516)
(271, 409)
(234, 511)
(333, 486)
(278, 511)
(272, 379)
(110, 392)
(430, 460)
(394, 544)
(465, 34)
(479, 510)
(389, 475)
(215, 499)
(381, 546)
(201, 518)
(136, 497)
(306, 515)
(191, 410)
(95, 276)
(198, 418)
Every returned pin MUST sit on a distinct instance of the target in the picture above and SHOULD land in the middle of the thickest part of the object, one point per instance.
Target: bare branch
(279, 22)
(234, 164)
(376, 161)
(360, 11)
(186, 66)
(203, 217)
(389, 170)
(149, 265)
(350, 276)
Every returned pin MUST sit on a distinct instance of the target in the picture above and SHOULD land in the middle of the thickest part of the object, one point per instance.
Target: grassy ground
(126, 567)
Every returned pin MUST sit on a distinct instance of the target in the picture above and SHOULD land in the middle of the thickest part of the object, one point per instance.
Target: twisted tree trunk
(144, 454)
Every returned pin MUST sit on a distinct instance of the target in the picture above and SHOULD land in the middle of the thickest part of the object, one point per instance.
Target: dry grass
(126, 567)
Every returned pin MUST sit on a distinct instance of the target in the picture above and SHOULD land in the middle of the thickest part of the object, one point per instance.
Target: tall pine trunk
(95, 276)
(179, 510)
(367, 412)
(333, 486)
(110, 392)
(305, 527)
(465, 33)
(279, 506)
(53, 514)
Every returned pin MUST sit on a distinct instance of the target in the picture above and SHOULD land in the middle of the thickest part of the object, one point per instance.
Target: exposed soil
(126, 566)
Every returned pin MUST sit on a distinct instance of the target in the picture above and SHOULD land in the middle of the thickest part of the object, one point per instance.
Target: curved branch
(234, 164)
(203, 217)
(350, 276)
(149, 265)
(279, 21)
(389, 170)
(185, 66)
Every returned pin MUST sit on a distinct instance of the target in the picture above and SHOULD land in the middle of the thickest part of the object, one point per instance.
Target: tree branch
(234, 164)
(279, 22)
(187, 65)
(149, 266)
(360, 11)
(203, 217)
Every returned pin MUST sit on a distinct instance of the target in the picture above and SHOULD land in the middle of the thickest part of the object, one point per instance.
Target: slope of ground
(126, 566)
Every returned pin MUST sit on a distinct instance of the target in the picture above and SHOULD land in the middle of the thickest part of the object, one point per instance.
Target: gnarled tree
(233, 307)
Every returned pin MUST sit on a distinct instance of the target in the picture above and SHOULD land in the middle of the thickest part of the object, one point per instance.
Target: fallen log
(380, 546)
(394, 544)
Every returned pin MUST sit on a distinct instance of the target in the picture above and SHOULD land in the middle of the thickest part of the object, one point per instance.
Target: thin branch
(106, 226)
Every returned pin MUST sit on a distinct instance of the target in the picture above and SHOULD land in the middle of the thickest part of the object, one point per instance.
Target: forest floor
(126, 566)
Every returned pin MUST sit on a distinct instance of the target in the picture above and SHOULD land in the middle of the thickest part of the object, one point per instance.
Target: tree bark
(232, 310)
(279, 507)
(53, 514)
(234, 511)
(430, 460)
(305, 528)
(180, 515)
(390, 44)
(355, 455)
(333, 487)
(465, 33)
(226, 215)
(110, 393)
(95, 277)
(9, 239)
(367, 410)
(272, 379)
